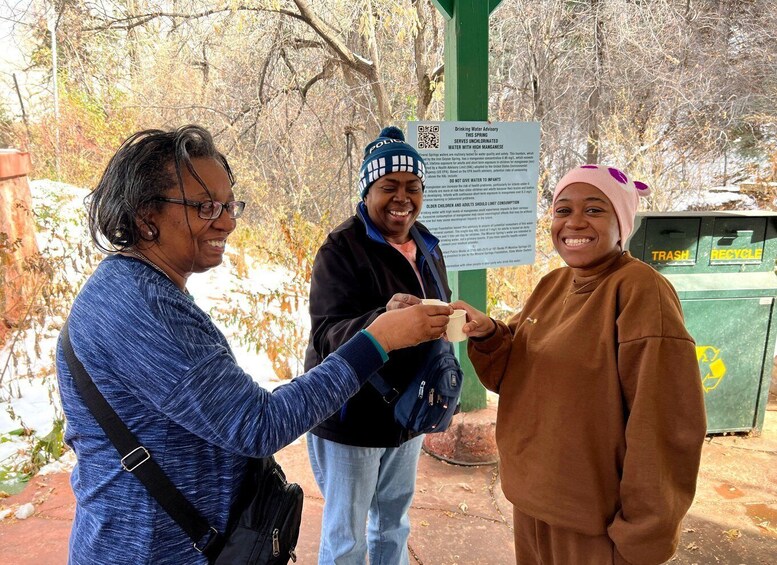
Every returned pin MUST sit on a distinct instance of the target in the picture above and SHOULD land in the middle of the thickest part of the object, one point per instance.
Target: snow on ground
(212, 288)
(35, 403)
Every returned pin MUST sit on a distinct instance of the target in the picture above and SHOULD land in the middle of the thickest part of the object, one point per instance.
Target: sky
(10, 61)
(31, 83)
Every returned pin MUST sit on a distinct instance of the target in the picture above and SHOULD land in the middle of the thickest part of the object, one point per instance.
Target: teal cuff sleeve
(378, 346)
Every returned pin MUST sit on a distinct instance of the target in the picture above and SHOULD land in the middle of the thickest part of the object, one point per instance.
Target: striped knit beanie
(389, 154)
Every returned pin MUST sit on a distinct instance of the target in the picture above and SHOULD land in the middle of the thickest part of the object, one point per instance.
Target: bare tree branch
(133, 21)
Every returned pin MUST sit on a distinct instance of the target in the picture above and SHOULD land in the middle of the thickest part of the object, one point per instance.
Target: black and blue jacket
(355, 274)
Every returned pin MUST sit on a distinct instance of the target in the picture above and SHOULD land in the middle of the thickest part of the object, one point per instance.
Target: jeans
(367, 494)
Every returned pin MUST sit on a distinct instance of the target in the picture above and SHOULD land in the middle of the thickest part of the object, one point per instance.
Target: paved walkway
(460, 516)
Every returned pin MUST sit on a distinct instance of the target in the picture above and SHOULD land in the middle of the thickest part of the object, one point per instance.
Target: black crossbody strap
(136, 459)
(421, 244)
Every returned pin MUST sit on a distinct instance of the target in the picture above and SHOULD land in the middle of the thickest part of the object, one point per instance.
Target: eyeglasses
(210, 209)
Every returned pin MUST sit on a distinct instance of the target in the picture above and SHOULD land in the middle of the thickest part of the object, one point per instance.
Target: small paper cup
(433, 302)
(455, 324)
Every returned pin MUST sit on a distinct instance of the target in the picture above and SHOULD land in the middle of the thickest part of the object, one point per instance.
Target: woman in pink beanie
(601, 416)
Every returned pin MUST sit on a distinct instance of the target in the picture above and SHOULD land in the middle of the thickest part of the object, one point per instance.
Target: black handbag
(266, 518)
(264, 521)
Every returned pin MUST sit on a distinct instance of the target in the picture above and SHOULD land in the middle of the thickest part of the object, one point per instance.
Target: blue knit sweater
(170, 375)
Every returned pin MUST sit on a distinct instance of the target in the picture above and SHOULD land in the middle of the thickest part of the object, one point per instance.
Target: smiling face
(393, 204)
(187, 243)
(585, 228)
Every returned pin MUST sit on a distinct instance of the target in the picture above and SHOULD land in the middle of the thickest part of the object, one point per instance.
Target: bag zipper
(276, 544)
(276, 533)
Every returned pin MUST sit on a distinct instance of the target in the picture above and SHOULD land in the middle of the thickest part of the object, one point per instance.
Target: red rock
(17, 239)
(470, 440)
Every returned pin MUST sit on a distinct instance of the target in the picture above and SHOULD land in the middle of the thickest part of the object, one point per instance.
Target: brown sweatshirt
(601, 413)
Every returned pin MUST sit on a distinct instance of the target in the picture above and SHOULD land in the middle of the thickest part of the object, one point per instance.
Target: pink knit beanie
(623, 193)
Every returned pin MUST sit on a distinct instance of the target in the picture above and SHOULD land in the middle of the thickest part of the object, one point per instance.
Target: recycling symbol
(711, 366)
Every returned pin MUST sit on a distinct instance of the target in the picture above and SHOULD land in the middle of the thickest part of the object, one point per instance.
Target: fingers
(478, 324)
(435, 310)
(405, 327)
(436, 317)
(473, 328)
(436, 320)
(472, 312)
(461, 305)
(481, 327)
(401, 300)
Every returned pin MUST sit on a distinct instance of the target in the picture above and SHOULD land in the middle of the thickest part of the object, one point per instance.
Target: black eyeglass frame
(235, 208)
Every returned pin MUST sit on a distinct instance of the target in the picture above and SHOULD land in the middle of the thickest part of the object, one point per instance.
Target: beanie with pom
(622, 193)
(389, 153)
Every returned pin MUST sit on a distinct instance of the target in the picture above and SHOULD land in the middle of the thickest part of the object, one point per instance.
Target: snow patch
(35, 401)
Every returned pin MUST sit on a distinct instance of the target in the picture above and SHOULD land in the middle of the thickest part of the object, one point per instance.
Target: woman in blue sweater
(164, 209)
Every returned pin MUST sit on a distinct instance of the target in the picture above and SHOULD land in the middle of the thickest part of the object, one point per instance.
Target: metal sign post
(466, 98)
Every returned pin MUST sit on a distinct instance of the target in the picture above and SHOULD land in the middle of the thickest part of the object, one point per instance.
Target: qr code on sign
(428, 137)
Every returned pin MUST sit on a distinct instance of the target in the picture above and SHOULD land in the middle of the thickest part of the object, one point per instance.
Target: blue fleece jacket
(171, 377)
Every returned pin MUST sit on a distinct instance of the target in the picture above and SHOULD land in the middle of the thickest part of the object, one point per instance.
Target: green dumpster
(722, 265)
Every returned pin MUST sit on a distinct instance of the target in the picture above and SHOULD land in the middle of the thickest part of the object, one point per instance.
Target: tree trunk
(594, 98)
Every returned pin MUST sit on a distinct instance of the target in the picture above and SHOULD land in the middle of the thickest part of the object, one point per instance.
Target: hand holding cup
(407, 326)
(455, 322)
(478, 324)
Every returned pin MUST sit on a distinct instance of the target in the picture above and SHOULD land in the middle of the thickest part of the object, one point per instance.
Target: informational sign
(480, 198)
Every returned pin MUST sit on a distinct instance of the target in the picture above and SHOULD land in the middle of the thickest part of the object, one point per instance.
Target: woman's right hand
(478, 324)
(408, 326)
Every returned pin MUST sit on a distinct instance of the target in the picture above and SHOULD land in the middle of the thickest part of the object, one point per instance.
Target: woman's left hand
(401, 300)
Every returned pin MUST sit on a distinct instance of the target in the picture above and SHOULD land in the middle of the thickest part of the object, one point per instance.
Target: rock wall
(17, 239)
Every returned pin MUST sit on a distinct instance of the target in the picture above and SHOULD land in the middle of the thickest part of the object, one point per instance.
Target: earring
(150, 233)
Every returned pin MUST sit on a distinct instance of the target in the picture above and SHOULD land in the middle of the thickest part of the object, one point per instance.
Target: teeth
(400, 214)
(575, 242)
(220, 243)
